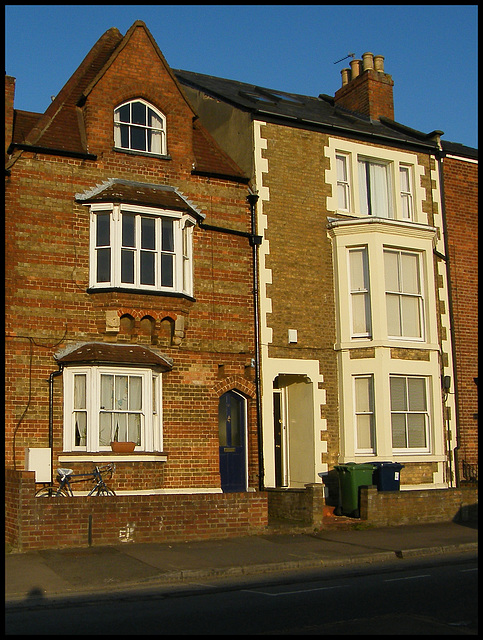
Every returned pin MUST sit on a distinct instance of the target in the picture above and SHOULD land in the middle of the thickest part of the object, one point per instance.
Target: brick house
(130, 312)
(355, 326)
(460, 173)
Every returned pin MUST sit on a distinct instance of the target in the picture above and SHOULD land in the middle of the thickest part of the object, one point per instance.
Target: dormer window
(138, 126)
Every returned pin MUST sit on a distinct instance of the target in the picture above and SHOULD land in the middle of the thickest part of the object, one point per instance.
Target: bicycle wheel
(104, 490)
(50, 492)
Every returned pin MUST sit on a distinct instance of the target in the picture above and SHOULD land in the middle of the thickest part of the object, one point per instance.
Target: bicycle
(65, 477)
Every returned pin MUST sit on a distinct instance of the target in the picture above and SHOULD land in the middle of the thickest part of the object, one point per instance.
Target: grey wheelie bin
(387, 475)
(352, 476)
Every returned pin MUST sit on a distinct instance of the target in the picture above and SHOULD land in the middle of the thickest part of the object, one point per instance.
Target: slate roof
(305, 111)
(60, 130)
(130, 192)
(110, 353)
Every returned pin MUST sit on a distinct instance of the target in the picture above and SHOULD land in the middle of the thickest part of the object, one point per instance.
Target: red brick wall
(47, 277)
(370, 93)
(461, 202)
(45, 523)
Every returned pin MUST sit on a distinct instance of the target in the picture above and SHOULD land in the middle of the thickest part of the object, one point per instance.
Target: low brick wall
(378, 508)
(392, 508)
(42, 523)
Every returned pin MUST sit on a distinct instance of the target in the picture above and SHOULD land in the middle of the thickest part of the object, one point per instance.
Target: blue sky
(430, 50)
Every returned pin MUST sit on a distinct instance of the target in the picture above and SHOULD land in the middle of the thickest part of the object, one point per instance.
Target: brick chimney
(366, 88)
(9, 96)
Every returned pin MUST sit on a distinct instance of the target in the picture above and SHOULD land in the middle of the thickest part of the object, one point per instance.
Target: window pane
(417, 394)
(364, 432)
(127, 266)
(121, 393)
(80, 433)
(358, 271)
(398, 394)
(343, 196)
(155, 139)
(105, 434)
(379, 196)
(103, 272)
(138, 113)
(407, 206)
(124, 136)
(404, 176)
(391, 270)
(103, 235)
(79, 391)
(410, 273)
(123, 113)
(167, 270)
(416, 430)
(147, 267)
(341, 168)
(138, 138)
(128, 230)
(360, 313)
(363, 188)
(154, 120)
(398, 423)
(411, 322)
(135, 393)
(107, 392)
(393, 315)
(167, 235)
(148, 239)
(119, 427)
(363, 391)
(134, 428)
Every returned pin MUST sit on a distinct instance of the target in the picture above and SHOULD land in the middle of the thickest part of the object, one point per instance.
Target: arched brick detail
(235, 382)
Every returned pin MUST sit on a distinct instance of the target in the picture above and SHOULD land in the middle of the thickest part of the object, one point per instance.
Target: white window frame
(357, 292)
(406, 191)
(149, 131)
(151, 423)
(402, 295)
(370, 412)
(344, 199)
(371, 201)
(407, 412)
(182, 254)
(401, 201)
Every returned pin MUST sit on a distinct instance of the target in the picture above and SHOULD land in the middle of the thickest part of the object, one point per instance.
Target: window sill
(109, 456)
(145, 154)
(144, 292)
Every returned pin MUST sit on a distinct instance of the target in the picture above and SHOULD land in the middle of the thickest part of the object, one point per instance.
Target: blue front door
(231, 427)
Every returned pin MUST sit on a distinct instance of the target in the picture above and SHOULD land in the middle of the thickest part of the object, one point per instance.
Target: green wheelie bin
(352, 476)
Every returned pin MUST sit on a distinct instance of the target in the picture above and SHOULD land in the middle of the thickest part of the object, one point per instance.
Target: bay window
(139, 247)
(106, 403)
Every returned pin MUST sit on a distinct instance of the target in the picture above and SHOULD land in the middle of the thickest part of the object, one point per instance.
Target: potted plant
(121, 447)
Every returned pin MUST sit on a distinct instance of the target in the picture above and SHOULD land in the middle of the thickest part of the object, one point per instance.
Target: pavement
(62, 573)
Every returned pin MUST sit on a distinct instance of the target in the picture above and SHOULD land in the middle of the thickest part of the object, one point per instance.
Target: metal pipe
(52, 375)
(255, 243)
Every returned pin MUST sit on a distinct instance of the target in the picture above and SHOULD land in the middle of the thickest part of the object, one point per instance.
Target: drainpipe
(52, 375)
(255, 242)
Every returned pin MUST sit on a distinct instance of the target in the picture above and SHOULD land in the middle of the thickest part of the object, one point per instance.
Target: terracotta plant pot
(123, 447)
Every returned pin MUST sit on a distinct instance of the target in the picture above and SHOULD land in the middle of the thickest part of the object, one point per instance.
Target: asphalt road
(436, 596)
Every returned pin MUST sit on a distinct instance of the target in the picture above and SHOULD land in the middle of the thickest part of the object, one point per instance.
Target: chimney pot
(367, 61)
(355, 68)
(345, 73)
(379, 63)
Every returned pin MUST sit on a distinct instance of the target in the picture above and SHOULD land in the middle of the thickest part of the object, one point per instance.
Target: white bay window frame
(180, 252)
(91, 406)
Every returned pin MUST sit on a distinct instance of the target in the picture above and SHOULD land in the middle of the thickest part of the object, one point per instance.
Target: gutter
(54, 152)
